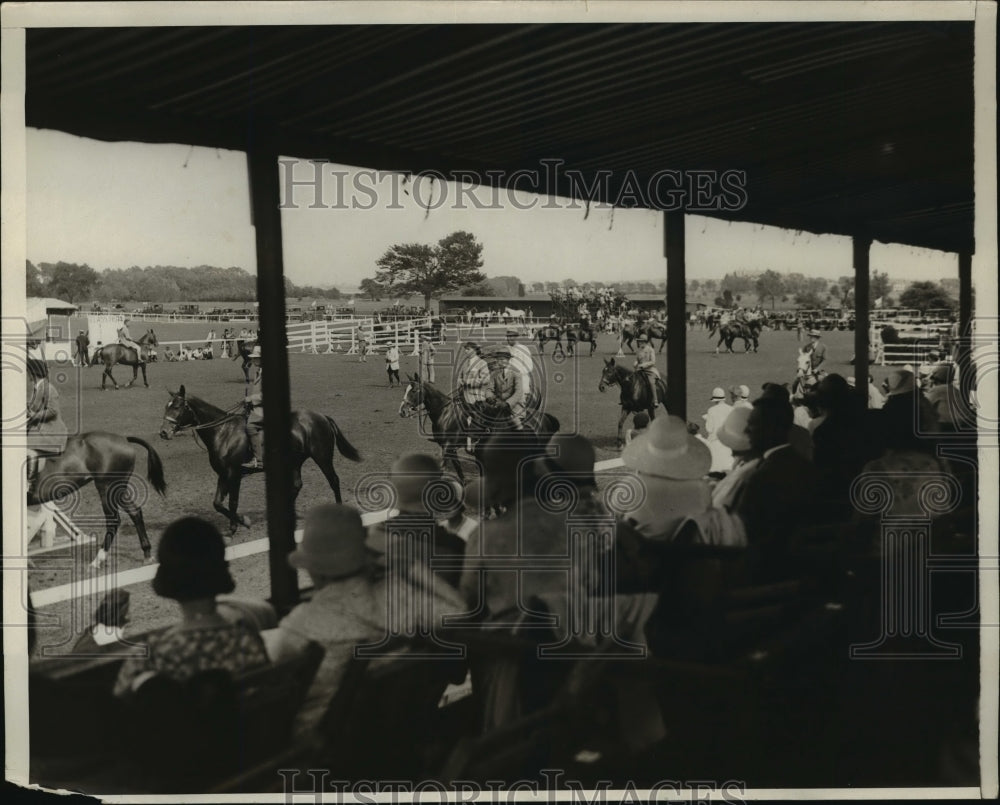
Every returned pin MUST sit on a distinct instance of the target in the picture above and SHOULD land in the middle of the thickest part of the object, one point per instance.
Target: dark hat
(192, 558)
(502, 353)
(470, 345)
(113, 609)
(571, 454)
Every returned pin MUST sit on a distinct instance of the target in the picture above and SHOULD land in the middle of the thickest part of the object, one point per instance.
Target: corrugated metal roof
(849, 128)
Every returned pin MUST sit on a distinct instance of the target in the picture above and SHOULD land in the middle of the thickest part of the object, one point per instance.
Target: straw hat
(942, 373)
(814, 334)
(513, 333)
(642, 337)
(333, 542)
(667, 450)
(718, 393)
(744, 392)
(255, 353)
(900, 381)
(733, 431)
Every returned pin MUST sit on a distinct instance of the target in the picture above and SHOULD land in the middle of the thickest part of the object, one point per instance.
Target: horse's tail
(347, 450)
(155, 471)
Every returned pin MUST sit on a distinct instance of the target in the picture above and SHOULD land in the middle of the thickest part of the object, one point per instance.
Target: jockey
(46, 431)
(506, 388)
(125, 339)
(473, 379)
(645, 364)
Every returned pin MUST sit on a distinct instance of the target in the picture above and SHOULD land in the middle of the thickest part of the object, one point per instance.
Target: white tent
(38, 310)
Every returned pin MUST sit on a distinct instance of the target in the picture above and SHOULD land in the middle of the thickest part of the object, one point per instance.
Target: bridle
(231, 413)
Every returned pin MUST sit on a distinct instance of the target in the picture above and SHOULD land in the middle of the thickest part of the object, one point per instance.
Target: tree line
(75, 283)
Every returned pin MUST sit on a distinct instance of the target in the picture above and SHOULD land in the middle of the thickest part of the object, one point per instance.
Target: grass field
(357, 396)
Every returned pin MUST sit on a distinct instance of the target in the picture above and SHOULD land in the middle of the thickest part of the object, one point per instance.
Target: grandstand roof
(852, 128)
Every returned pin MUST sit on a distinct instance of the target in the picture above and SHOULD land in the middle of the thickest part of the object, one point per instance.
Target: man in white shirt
(715, 417)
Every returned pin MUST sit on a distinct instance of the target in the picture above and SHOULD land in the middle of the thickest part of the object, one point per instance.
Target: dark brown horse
(549, 332)
(635, 394)
(224, 433)
(580, 334)
(110, 354)
(243, 350)
(653, 330)
(108, 460)
(728, 333)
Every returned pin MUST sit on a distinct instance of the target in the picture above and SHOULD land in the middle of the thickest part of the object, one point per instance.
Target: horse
(584, 334)
(634, 392)
(110, 354)
(224, 434)
(108, 460)
(549, 332)
(516, 316)
(448, 418)
(728, 333)
(654, 330)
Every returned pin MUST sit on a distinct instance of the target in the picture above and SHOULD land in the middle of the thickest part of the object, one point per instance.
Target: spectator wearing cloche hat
(734, 436)
(672, 465)
(192, 571)
(345, 610)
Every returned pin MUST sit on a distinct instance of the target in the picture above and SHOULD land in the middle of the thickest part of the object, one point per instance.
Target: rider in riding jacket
(507, 388)
(645, 364)
(253, 403)
(46, 431)
(473, 380)
(125, 339)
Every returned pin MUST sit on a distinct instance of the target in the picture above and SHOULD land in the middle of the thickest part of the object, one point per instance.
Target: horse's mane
(203, 406)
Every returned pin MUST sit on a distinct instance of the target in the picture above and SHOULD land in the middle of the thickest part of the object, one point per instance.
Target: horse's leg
(621, 428)
(145, 382)
(135, 515)
(330, 473)
(451, 455)
(111, 377)
(236, 519)
(112, 519)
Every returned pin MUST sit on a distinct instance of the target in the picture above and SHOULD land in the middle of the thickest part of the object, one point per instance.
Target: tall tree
(34, 281)
(415, 268)
(769, 285)
(926, 296)
(372, 289)
(879, 288)
(72, 282)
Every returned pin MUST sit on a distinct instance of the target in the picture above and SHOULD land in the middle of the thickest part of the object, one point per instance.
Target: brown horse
(108, 460)
(580, 334)
(549, 332)
(110, 354)
(224, 433)
(635, 393)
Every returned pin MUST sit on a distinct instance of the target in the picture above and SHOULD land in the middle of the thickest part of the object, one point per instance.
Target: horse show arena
(359, 399)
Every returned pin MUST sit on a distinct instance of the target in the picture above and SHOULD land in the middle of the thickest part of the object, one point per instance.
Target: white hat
(256, 352)
(667, 450)
(744, 392)
(719, 394)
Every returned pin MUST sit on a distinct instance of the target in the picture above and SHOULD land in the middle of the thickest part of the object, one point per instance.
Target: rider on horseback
(473, 382)
(645, 364)
(46, 431)
(253, 404)
(125, 339)
(507, 388)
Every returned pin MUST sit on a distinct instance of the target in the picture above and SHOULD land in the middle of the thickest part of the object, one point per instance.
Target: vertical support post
(673, 250)
(862, 319)
(265, 199)
(963, 353)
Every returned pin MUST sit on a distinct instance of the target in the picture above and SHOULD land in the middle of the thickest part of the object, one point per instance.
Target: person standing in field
(392, 364)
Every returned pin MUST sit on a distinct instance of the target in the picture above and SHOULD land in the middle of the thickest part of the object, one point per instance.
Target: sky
(115, 205)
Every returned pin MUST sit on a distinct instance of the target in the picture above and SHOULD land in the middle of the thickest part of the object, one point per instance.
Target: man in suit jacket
(508, 388)
(779, 495)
